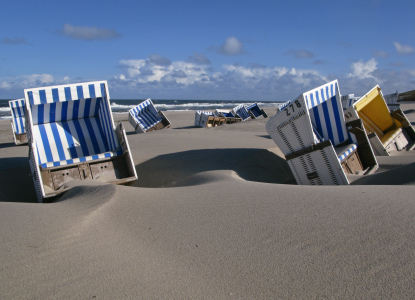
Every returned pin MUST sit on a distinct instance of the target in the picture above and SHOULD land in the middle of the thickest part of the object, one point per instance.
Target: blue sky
(230, 50)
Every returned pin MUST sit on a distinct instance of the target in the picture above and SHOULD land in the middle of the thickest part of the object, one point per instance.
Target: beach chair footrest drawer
(109, 171)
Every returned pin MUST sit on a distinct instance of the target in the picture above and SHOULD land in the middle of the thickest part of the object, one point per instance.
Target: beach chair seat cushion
(72, 141)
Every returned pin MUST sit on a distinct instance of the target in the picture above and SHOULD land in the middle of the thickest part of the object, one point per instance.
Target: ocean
(122, 106)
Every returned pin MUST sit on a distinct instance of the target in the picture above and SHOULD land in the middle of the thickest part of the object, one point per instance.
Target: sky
(208, 50)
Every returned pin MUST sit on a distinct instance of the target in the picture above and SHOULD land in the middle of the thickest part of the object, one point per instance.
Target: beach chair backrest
(71, 121)
(242, 112)
(326, 112)
(17, 108)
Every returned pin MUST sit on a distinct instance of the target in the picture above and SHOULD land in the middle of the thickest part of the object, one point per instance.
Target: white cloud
(404, 49)
(362, 69)
(232, 46)
(88, 33)
(383, 54)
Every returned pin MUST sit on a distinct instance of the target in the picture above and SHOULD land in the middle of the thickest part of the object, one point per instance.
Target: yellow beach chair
(386, 131)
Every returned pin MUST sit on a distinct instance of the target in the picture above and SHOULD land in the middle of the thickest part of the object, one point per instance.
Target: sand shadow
(177, 169)
(186, 127)
(8, 145)
(265, 136)
(16, 183)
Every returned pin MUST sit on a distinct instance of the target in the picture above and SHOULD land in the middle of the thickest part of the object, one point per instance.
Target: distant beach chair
(256, 111)
(208, 119)
(72, 136)
(17, 108)
(312, 134)
(230, 118)
(387, 131)
(392, 101)
(241, 112)
(145, 118)
(348, 100)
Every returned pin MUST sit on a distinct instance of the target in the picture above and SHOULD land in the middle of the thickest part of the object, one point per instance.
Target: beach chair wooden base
(317, 165)
(20, 139)
(215, 121)
(232, 120)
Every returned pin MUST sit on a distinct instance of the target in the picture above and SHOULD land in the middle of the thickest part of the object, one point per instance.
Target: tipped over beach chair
(208, 119)
(312, 134)
(72, 136)
(145, 117)
(256, 111)
(241, 112)
(387, 131)
(230, 118)
(17, 108)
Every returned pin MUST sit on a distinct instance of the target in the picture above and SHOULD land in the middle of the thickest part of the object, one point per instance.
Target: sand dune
(215, 214)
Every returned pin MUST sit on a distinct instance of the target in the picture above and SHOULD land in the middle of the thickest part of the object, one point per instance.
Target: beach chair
(256, 111)
(348, 100)
(208, 119)
(72, 136)
(387, 131)
(230, 118)
(17, 109)
(241, 112)
(145, 118)
(312, 134)
(392, 101)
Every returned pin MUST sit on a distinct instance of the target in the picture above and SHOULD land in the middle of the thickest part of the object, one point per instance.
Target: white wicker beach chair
(17, 108)
(256, 111)
(387, 131)
(144, 117)
(311, 132)
(241, 112)
(72, 136)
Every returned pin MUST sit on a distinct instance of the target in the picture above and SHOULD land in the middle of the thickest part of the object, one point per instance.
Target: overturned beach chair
(312, 134)
(17, 108)
(230, 118)
(72, 136)
(392, 101)
(387, 131)
(145, 118)
(241, 112)
(256, 111)
(208, 119)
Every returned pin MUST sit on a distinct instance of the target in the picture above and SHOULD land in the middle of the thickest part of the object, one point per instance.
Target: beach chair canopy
(146, 116)
(17, 108)
(72, 123)
(242, 112)
(224, 113)
(255, 110)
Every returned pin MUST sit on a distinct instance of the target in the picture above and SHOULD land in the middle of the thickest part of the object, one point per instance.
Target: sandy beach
(215, 214)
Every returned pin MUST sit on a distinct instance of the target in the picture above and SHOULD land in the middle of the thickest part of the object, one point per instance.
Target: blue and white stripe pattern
(255, 110)
(326, 112)
(242, 112)
(226, 114)
(346, 153)
(17, 108)
(145, 115)
(72, 123)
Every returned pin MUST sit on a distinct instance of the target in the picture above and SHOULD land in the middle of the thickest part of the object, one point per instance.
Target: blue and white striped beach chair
(311, 132)
(72, 136)
(17, 109)
(241, 112)
(256, 111)
(392, 101)
(230, 118)
(144, 117)
(348, 100)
